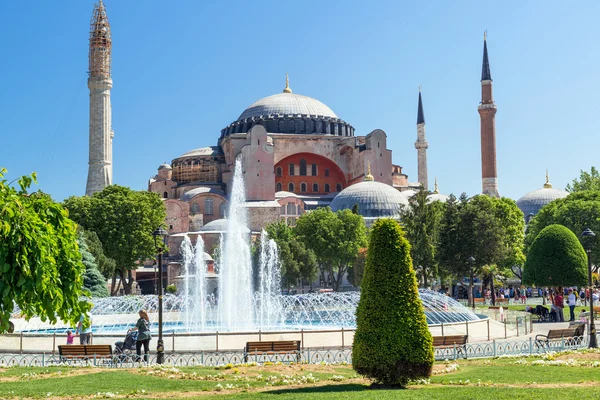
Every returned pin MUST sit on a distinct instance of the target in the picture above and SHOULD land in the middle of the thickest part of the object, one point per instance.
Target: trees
(124, 220)
(577, 211)
(335, 239)
(421, 222)
(40, 265)
(587, 181)
(392, 343)
(486, 228)
(357, 270)
(297, 262)
(93, 280)
(105, 265)
(556, 258)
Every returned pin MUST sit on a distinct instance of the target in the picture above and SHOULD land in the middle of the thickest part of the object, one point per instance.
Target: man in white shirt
(572, 300)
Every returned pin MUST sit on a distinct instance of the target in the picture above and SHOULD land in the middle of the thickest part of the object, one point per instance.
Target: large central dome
(287, 104)
(290, 113)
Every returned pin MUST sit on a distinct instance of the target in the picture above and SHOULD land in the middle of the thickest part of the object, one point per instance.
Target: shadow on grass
(349, 387)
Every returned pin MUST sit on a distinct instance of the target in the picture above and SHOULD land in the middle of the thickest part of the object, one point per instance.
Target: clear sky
(183, 70)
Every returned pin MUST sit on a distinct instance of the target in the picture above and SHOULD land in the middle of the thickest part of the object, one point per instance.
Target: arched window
(279, 171)
(315, 187)
(326, 171)
(338, 187)
(208, 206)
(291, 209)
(303, 187)
(194, 208)
(290, 187)
(303, 167)
(327, 188)
(313, 171)
(279, 187)
(291, 169)
(165, 195)
(222, 210)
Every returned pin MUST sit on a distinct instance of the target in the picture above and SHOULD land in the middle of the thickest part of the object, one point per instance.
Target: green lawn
(575, 374)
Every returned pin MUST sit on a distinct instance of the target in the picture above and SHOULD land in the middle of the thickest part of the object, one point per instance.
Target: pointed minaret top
(420, 114)
(287, 84)
(435, 186)
(368, 176)
(486, 75)
(547, 185)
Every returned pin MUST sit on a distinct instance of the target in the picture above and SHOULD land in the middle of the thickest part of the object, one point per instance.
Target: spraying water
(236, 309)
(269, 295)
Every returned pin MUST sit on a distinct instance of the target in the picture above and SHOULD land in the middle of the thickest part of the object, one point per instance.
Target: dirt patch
(56, 374)
(580, 356)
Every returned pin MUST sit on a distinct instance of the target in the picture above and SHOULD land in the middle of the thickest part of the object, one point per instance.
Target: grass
(575, 374)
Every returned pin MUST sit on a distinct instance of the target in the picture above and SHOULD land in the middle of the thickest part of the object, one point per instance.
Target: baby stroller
(542, 313)
(126, 349)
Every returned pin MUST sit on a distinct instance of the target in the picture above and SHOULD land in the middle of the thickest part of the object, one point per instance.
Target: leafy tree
(556, 258)
(577, 211)
(486, 228)
(587, 181)
(297, 262)
(124, 220)
(392, 343)
(40, 265)
(335, 239)
(357, 271)
(93, 280)
(106, 265)
(421, 222)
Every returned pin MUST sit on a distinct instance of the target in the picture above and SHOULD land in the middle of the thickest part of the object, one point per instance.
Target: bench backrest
(76, 350)
(561, 333)
(283, 345)
(449, 340)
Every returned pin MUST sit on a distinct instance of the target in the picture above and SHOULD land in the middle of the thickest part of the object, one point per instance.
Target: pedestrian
(572, 301)
(85, 335)
(143, 339)
(70, 337)
(559, 303)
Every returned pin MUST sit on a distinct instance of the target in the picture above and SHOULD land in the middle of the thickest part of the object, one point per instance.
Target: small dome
(187, 196)
(374, 199)
(164, 166)
(437, 197)
(533, 201)
(408, 193)
(220, 226)
(287, 103)
(283, 194)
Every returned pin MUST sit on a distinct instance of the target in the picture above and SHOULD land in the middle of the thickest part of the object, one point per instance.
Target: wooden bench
(501, 301)
(455, 341)
(84, 351)
(479, 300)
(567, 333)
(267, 348)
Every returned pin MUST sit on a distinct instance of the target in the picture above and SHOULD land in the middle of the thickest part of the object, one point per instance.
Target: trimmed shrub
(392, 343)
(556, 258)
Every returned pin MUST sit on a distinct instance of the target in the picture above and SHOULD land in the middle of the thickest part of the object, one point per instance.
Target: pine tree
(93, 280)
(392, 343)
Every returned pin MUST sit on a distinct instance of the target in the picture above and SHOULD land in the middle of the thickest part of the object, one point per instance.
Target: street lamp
(160, 242)
(588, 233)
(471, 262)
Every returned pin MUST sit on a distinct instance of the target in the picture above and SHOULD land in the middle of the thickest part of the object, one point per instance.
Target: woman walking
(143, 339)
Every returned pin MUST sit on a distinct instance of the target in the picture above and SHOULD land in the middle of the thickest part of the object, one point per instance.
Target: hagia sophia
(297, 154)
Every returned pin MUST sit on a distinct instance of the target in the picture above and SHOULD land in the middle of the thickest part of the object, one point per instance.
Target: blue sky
(183, 70)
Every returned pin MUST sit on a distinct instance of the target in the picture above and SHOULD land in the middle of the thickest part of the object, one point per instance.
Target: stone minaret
(100, 83)
(421, 145)
(487, 112)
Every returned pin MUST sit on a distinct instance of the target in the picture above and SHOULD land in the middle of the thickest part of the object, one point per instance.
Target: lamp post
(588, 233)
(155, 278)
(160, 239)
(471, 262)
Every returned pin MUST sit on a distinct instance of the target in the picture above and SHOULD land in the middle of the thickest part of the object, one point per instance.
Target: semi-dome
(190, 194)
(220, 226)
(374, 199)
(210, 151)
(531, 203)
(288, 112)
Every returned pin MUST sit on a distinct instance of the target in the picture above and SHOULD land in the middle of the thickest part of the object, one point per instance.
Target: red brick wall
(335, 174)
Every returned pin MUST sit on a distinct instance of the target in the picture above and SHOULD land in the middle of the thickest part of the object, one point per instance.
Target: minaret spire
(100, 84)
(421, 144)
(487, 112)
(287, 84)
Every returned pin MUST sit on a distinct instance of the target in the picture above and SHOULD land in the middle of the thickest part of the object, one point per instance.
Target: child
(70, 337)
